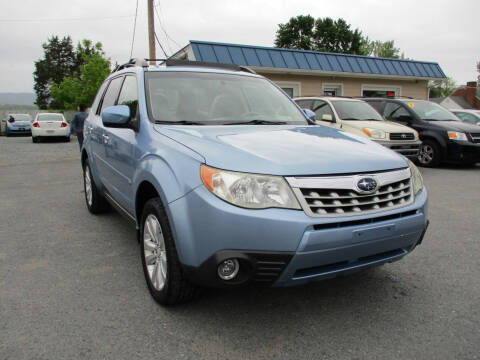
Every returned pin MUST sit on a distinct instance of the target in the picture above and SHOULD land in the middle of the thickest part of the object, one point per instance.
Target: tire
(6, 133)
(430, 154)
(34, 139)
(67, 139)
(96, 202)
(164, 275)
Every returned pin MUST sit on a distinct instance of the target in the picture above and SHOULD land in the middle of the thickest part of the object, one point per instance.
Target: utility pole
(151, 33)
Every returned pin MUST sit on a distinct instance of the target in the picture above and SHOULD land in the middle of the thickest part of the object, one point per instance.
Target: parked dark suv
(444, 137)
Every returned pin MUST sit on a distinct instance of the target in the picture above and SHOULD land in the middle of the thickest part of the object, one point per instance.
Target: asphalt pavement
(72, 287)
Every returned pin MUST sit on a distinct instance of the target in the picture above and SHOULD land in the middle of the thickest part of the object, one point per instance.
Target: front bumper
(410, 149)
(286, 247)
(462, 152)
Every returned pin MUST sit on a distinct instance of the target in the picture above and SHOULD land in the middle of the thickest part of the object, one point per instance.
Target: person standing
(77, 123)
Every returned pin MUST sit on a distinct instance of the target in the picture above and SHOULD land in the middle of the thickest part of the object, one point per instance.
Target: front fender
(438, 138)
(171, 168)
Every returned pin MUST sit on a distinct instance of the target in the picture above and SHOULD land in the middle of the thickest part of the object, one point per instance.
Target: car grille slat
(268, 270)
(475, 137)
(340, 196)
(402, 136)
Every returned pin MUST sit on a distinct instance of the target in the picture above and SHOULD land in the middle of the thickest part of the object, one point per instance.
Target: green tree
(297, 33)
(442, 88)
(82, 86)
(305, 33)
(59, 61)
(385, 49)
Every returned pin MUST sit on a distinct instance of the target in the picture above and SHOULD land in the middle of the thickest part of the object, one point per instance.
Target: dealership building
(313, 73)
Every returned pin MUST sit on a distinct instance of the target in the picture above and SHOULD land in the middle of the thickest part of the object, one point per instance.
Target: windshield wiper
(350, 119)
(257, 122)
(180, 122)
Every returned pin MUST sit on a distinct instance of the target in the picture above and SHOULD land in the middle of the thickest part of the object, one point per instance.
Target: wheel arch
(431, 136)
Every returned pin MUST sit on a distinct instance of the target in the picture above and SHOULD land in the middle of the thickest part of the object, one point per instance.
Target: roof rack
(130, 63)
(155, 59)
(381, 97)
(233, 67)
(327, 96)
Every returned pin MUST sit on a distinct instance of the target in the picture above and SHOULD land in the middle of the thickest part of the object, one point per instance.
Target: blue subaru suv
(230, 183)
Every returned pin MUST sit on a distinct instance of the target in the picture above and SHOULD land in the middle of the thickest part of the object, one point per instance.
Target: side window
(377, 105)
(304, 104)
(467, 117)
(321, 108)
(96, 102)
(129, 94)
(112, 92)
(394, 111)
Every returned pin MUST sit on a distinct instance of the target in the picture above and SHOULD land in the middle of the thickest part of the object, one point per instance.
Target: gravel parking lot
(71, 284)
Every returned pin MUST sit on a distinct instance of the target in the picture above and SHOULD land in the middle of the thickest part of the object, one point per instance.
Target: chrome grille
(475, 137)
(339, 196)
(402, 136)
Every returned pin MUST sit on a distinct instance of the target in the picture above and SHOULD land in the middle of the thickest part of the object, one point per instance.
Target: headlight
(417, 180)
(453, 135)
(249, 190)
(374, 133)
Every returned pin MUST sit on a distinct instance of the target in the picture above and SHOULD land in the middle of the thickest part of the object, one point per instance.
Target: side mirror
(310, 116)
(405, 118)
(117, 116)
(327, 117)
(11, 119)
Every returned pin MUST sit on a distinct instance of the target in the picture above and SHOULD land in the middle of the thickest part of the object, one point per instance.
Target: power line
(134, 28)
(67, 19)
(159, 44)
(160, 22)
(162, 27)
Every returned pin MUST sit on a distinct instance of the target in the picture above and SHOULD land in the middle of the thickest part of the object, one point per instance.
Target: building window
(332, 89)
(293, 89)
(384, 91)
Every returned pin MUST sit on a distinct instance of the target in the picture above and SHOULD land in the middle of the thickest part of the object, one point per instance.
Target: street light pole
(151, 33)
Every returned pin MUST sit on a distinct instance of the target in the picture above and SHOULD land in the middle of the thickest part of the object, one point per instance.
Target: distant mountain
(17, 98)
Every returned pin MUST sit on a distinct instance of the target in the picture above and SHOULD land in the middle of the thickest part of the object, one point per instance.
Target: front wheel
(429, 155)
(34, 139)
(95, 201)
(162, 269)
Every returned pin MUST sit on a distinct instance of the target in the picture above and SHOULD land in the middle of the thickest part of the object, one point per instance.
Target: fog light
(228, 269)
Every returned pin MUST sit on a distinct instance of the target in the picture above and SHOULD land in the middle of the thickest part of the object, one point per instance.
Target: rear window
(21, 117)
(50, 117)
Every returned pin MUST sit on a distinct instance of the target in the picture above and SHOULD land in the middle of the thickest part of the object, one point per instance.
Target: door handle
(106, 138)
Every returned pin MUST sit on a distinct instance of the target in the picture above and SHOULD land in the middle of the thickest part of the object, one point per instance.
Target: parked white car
(468, 116)
(50, 125)
(357, 117)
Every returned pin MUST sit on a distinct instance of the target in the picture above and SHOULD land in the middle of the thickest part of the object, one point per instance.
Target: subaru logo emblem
(367, 184)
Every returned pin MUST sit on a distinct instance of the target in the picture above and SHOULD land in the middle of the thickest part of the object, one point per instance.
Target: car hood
(456, 126)
(284, 150)
(387, 126)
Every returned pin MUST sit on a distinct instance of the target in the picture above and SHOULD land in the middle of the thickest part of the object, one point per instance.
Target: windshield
(430, 111)
(355, 110)
(209, 99)
(21, 117)
(50, 117)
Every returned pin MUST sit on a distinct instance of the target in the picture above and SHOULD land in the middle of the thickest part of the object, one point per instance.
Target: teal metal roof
(269, 57)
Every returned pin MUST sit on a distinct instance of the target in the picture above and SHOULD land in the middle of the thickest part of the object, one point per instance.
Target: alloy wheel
(154, 252)
(88, 186)
(426, 154)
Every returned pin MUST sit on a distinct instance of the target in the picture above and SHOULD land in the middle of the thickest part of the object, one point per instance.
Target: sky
(442, 31)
